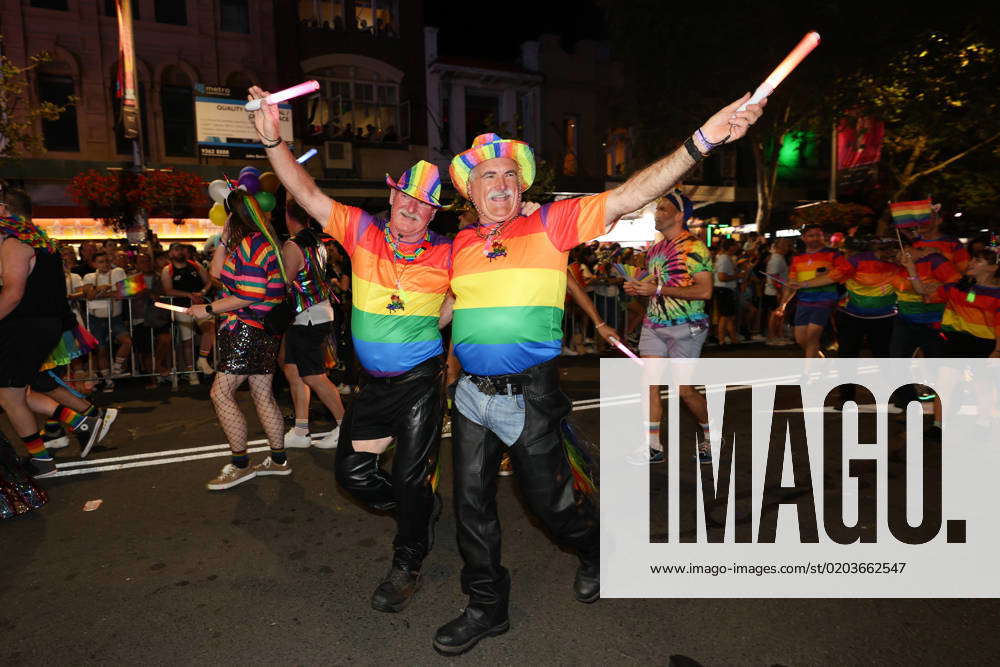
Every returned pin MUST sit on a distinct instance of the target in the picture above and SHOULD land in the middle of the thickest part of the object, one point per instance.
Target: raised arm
(724, 127)
(292, 175)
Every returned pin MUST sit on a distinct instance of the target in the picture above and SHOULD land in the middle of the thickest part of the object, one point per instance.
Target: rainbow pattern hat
(421, 181)
(486, 147)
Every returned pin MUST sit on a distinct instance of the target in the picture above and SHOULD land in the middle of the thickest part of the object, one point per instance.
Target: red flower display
(116, 196)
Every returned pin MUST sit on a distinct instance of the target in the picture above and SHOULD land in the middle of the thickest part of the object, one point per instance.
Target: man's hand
(607, 332)
(529, 207)
(265, 120)
(635, 288)
(198, 312)
(728, 124)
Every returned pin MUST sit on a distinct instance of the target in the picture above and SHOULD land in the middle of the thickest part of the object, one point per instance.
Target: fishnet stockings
(231, 418)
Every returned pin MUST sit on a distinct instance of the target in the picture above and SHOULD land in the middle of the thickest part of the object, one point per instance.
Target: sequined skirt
(246, 350)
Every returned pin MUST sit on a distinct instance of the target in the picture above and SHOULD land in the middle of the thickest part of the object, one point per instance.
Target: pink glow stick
(170, 306)
(286, 94)
(791, 61)
(777, 280)
(628, 353)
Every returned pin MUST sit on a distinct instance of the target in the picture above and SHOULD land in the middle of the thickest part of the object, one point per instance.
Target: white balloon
(218, 190)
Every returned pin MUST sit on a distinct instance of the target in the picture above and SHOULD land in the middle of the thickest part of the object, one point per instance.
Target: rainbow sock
(68, 417)
(52, 425)
(654, 435)
(241, 459)
(203, 354)
(36, 447)
(279, 456)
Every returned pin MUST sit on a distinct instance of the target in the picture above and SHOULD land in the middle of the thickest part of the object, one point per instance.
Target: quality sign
(825, 479)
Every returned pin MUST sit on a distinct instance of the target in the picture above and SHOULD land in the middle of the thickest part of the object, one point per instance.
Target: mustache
(499, 194)
(409, 215)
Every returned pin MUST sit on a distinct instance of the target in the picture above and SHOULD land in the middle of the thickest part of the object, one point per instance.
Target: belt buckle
(484, 384)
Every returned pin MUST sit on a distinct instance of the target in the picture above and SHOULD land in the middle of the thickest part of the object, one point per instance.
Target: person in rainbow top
(812, 278)
(929, 235)
(509, 280)
(400, 274)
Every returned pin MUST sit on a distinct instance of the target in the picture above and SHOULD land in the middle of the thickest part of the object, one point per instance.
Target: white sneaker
(193, 378)
(297, 441)
(569, 352)
(110, 415)
(344, 389)
(109, 385)
(118, 370)
(204, 366)
(269, 467)
(230, 476)
(330, 441)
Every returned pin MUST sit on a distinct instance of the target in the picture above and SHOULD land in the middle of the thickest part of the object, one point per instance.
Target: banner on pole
(126, 84)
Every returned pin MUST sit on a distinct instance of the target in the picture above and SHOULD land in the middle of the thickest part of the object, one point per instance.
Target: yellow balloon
(269, 182)
(217, 214)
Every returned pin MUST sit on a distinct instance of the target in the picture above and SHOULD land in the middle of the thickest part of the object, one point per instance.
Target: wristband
(600, 324)
(264, 141)
(693, 151)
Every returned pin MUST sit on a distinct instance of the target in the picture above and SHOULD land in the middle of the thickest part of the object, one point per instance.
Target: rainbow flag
(629, 272)
(911, 213)
(132, 285)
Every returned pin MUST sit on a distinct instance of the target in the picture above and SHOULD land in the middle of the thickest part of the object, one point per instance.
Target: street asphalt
(280, 571)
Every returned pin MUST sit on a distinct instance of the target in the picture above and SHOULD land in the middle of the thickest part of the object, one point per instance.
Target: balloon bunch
(261, 185)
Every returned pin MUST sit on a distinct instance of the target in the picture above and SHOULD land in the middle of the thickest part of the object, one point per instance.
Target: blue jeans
(502, 414)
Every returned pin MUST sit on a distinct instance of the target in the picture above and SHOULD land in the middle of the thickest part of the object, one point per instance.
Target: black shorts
(382, 402)
(769, 302)
(25, 344)
(725, 299)
(305, 345)
(963, 345)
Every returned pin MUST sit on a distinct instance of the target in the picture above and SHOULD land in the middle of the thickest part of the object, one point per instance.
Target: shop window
(51, 4)
(328, 14)
(234, 16)
(177, 103)
(377, 16)
(60, 134)
(358, 106)
(111, 10)
(170, 11)
(571, 145)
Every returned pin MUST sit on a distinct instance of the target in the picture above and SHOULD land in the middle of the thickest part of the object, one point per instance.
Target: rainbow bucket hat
(486, 147)
(421, 181)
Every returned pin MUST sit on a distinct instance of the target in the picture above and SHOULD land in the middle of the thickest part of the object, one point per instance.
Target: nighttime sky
(497, 29)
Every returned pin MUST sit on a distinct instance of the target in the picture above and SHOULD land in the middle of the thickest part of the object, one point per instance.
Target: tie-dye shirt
(869, 282)
(910, 303)
(950, 247)
(251, 273)
(509, 309)
(673, 263)
(391, 335)
(808, 265)
(974, 310)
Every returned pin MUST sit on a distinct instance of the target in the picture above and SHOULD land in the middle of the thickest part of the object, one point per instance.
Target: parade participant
(777, 267)
(188, 282)
(676, 323)
(105, 318)
(248, 264)
(813, 303)
(726, 291)
(929, 235)
(399, 277)
(509, 280)
(33, 314)
(307, 338)
(918, 321)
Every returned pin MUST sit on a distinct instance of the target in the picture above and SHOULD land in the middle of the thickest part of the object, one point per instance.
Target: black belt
(492, 385)
(423, 369)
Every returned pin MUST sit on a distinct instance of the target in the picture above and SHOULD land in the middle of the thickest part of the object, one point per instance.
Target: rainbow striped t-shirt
(391, 340)
(509, 309)
(251, 273)
(950, 247)
(808, 265)
(869, 283)
(974, 310)
(911, 304)
(673, 263)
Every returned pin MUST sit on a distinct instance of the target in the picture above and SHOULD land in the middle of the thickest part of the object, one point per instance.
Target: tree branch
(942, 165)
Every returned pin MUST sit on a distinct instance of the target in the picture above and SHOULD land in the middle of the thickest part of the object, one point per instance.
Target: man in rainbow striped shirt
(509, 280)
(399, 276)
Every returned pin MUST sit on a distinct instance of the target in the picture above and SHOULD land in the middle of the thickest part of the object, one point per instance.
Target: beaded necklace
(26, 232)
(396, 301)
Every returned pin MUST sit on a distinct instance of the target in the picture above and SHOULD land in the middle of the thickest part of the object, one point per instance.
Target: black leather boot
(464, 632)
(396, 590)
(587, 584)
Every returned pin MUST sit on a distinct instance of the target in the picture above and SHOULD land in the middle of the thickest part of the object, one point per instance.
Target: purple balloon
(250, 181)
(252, 170)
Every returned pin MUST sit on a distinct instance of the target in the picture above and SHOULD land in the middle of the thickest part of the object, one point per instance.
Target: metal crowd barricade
(611, 308)
(129, 319)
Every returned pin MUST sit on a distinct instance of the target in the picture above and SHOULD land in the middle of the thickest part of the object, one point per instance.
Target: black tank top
(186, 279)
(45, 289)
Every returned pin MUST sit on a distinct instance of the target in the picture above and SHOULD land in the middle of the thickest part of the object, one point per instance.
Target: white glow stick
(791, 61)
(777, 280)
(628, 353)
(286, 94)
(170, 306)
(308, 155)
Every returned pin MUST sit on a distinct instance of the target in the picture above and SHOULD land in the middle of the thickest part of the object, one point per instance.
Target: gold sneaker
(269, 467)
(230, 476)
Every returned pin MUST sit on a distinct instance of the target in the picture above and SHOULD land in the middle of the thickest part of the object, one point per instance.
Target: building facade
(178, 44)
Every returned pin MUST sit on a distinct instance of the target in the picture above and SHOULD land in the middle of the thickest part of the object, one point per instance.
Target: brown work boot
(396, 590)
